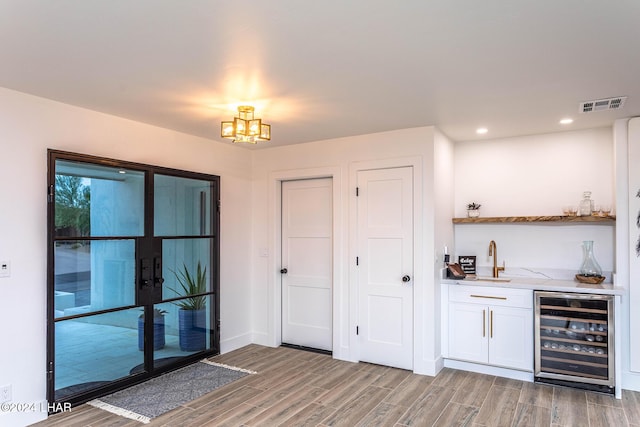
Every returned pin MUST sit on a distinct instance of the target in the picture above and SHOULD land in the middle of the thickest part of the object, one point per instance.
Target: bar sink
(493, 279)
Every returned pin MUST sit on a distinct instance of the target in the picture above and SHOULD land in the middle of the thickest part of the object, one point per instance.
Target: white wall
(29, 126)
(535, 175)
(340, 155)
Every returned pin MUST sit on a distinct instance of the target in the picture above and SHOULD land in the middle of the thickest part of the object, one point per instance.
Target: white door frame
(274, 292)
(418, 257)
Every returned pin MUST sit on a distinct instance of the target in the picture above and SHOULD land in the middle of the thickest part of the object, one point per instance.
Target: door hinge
(50, 371)
(50, 194)
(218, 206)
(357, 330)
(357, 191)
(357, 260)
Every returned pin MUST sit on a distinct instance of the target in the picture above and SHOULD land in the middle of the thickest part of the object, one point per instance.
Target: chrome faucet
(493, 251)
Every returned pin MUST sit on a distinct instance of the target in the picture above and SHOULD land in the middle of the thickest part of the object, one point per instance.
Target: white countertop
(542, 284)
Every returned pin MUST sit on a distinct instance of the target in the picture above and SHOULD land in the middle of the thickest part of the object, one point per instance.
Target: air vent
(602, 104)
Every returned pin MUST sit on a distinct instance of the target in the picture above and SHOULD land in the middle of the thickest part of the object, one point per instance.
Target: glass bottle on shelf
(590, 266)
(586, 204)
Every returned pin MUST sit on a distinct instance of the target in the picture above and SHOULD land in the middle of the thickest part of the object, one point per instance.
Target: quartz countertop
(540, 284)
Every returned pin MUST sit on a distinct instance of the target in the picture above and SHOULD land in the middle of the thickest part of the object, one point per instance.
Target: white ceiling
(324, 69)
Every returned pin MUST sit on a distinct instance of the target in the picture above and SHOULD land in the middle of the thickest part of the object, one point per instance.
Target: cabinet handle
(484, 321)
(488, 296)
(491, 324)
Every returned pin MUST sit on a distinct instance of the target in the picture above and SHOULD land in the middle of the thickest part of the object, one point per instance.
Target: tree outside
(73, 203)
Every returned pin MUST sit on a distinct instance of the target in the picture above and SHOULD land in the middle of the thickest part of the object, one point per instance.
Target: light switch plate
(5, 393)
(5, 268)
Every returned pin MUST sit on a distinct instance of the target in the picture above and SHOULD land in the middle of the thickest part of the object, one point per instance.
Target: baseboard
(438, 365)
(631, 381)
(489, 370)
(263, 338)
(235, 343)
(429, 367)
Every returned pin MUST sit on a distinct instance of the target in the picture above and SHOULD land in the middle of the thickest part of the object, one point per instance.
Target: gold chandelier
(245, 128)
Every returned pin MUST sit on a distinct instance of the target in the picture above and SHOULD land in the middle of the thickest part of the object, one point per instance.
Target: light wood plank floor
(298, 388)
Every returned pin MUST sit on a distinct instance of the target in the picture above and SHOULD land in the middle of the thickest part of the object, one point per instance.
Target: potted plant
(158, 329)
(473, 210)
(192, 316)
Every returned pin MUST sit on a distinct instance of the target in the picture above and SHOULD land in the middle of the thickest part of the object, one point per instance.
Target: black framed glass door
(133, 273)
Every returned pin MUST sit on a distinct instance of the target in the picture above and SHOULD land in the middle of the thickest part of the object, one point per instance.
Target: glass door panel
(181, 257)
(92, 351)
(96, 215)
(93, 275)
(184, 334)
(183, 209)
(95, 200)
(123, 240)
(182, 206)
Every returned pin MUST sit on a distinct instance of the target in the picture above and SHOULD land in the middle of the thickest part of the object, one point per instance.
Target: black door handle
(284, 271)
(157, 272)
(406, 278)
(145, 273)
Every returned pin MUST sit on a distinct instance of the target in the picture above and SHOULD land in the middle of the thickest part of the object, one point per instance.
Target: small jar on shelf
(586, 204)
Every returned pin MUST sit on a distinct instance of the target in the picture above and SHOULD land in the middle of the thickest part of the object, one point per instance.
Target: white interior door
(307, 275)
(385, 266)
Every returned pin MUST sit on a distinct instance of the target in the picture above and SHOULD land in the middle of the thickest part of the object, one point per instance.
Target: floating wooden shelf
(609, 220)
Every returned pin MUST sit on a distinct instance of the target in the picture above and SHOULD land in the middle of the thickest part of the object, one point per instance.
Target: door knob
(157, 272)
(283, 271)
(406, 278)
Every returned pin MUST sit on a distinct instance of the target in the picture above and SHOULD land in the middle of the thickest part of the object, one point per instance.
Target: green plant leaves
(191, 285)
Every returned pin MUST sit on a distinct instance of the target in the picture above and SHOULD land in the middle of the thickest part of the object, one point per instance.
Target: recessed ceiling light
(482, 131)
(566, 121)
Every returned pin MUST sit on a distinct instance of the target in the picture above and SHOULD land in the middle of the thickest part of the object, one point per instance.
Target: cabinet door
(468, 331)
(511, 337)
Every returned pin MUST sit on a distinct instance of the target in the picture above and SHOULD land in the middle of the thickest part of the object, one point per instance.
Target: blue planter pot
(192, 329)
(158, 333)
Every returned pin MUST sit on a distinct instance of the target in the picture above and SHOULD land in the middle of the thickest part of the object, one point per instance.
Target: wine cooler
(574, 340)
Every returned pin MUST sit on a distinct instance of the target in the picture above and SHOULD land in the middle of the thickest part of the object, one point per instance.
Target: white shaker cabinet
(492, 326)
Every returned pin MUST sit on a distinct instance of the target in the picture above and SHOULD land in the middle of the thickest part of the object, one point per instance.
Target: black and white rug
(152, 398)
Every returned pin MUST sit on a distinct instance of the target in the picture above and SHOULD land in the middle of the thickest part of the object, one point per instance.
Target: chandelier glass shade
(246, 128)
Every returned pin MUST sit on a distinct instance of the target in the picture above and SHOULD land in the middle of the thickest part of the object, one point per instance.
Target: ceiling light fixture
(245, 128)
(566, 121)
(482, 131)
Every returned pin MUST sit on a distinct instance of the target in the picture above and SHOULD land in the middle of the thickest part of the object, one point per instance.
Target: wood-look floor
(298, 388)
